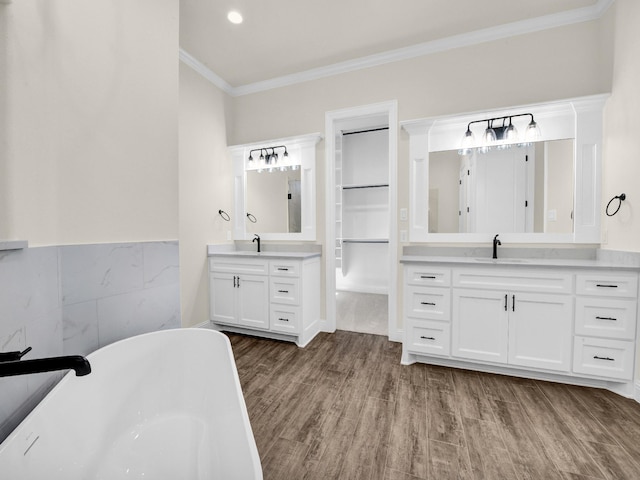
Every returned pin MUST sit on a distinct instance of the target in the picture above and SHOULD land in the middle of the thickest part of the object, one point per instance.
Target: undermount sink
(501, 260)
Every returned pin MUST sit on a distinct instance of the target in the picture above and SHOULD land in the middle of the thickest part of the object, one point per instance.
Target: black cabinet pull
(513, 303)
(602, 285)
(283, 291)
(238, 281)
(282, 269)
(432, 277)
(505, 301)
(427, 303)
(427, 338)
(283, 319)
(604, 358)
(607, 318)
(234, 281)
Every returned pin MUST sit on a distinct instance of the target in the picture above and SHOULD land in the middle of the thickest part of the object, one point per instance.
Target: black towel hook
(620, 198)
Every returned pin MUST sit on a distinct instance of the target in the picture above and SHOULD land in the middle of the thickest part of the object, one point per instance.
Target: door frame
(334, 122)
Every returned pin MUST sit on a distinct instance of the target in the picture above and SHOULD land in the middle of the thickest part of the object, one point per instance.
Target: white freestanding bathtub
(165, 405)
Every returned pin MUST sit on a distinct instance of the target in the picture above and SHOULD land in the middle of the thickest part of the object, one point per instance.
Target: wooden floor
(344, 408)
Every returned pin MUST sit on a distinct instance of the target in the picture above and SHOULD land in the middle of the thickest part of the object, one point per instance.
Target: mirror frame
(578, 118)
(303, 146)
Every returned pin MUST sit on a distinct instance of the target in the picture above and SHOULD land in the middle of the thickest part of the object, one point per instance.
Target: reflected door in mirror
(274, 200)
(527, 189)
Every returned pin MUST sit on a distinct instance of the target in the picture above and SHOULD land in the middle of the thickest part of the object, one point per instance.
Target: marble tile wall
(113, 291)
(72, 300)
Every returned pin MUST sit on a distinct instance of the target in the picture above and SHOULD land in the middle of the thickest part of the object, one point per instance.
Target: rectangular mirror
(554, 199)
(275, 196)
(273, 202)
(522, 189)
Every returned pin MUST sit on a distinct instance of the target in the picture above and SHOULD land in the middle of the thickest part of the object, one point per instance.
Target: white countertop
(212, 251)
(523, 262)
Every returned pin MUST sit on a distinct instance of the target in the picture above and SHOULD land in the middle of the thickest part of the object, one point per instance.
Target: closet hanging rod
(365, 131)
(377, 185)
(372, 240)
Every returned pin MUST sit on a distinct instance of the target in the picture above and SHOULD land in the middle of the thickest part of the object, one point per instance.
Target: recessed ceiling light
(234, 17)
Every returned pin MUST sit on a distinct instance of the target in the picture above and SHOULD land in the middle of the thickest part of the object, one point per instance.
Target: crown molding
(500, 32)
(203, 70)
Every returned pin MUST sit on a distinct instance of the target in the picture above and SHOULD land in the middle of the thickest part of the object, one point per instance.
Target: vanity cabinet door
(222, 297)
(253, 301)
(480, 325)
(239, 299)
(540, 330)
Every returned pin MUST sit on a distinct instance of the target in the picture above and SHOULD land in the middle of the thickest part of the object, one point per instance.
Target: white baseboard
(205, 324)
(636, 393)
(396, 336)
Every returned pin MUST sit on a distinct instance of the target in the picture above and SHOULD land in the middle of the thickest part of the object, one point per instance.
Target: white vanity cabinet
(239, 292)
(605, 327)
(513, 317)
(560, 323)
(272, 296)
(428, 308)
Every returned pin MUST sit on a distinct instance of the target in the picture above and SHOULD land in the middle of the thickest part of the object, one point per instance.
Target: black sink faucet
(257, 238)
(496, 242)
(10, 364)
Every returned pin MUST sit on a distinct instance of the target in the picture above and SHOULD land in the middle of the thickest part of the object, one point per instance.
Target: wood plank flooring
(344, 408)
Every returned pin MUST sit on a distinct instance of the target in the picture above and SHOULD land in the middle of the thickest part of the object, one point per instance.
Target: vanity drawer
(606, 317)
(428, 276)
(619, 285)
(285, 319)
(238, 265)
(284, 268)
(603, 358)
(514, 279)
(285, 290)
(431, 303)
(430, 337)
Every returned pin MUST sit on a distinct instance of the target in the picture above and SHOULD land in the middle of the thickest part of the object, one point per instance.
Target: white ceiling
(285, 37)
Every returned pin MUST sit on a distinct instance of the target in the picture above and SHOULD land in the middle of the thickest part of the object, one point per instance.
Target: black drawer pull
(282, 269)
(427, 303)
(602, 285)
(607, 318)
(604, 358)
(505, 302)
(283, 319)
(432, 277)
(283, 291)
(427, 338)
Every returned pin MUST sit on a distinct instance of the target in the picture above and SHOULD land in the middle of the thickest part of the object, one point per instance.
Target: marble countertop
(511, 262)
(216, 251)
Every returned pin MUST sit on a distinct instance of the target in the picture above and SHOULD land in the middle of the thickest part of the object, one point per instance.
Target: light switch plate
(403, 214)
(403, 236)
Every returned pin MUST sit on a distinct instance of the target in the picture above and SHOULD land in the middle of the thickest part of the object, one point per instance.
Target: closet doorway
(361, 254)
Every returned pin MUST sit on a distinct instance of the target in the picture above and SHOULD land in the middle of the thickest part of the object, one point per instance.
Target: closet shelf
(368, 185)
(365, 240)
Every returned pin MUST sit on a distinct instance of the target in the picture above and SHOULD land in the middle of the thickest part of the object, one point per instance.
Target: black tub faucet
(11, 364)
(496, 242)
(257, 238)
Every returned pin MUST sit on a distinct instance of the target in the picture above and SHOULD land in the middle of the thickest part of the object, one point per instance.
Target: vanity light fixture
(499, 133)
(268, 155)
